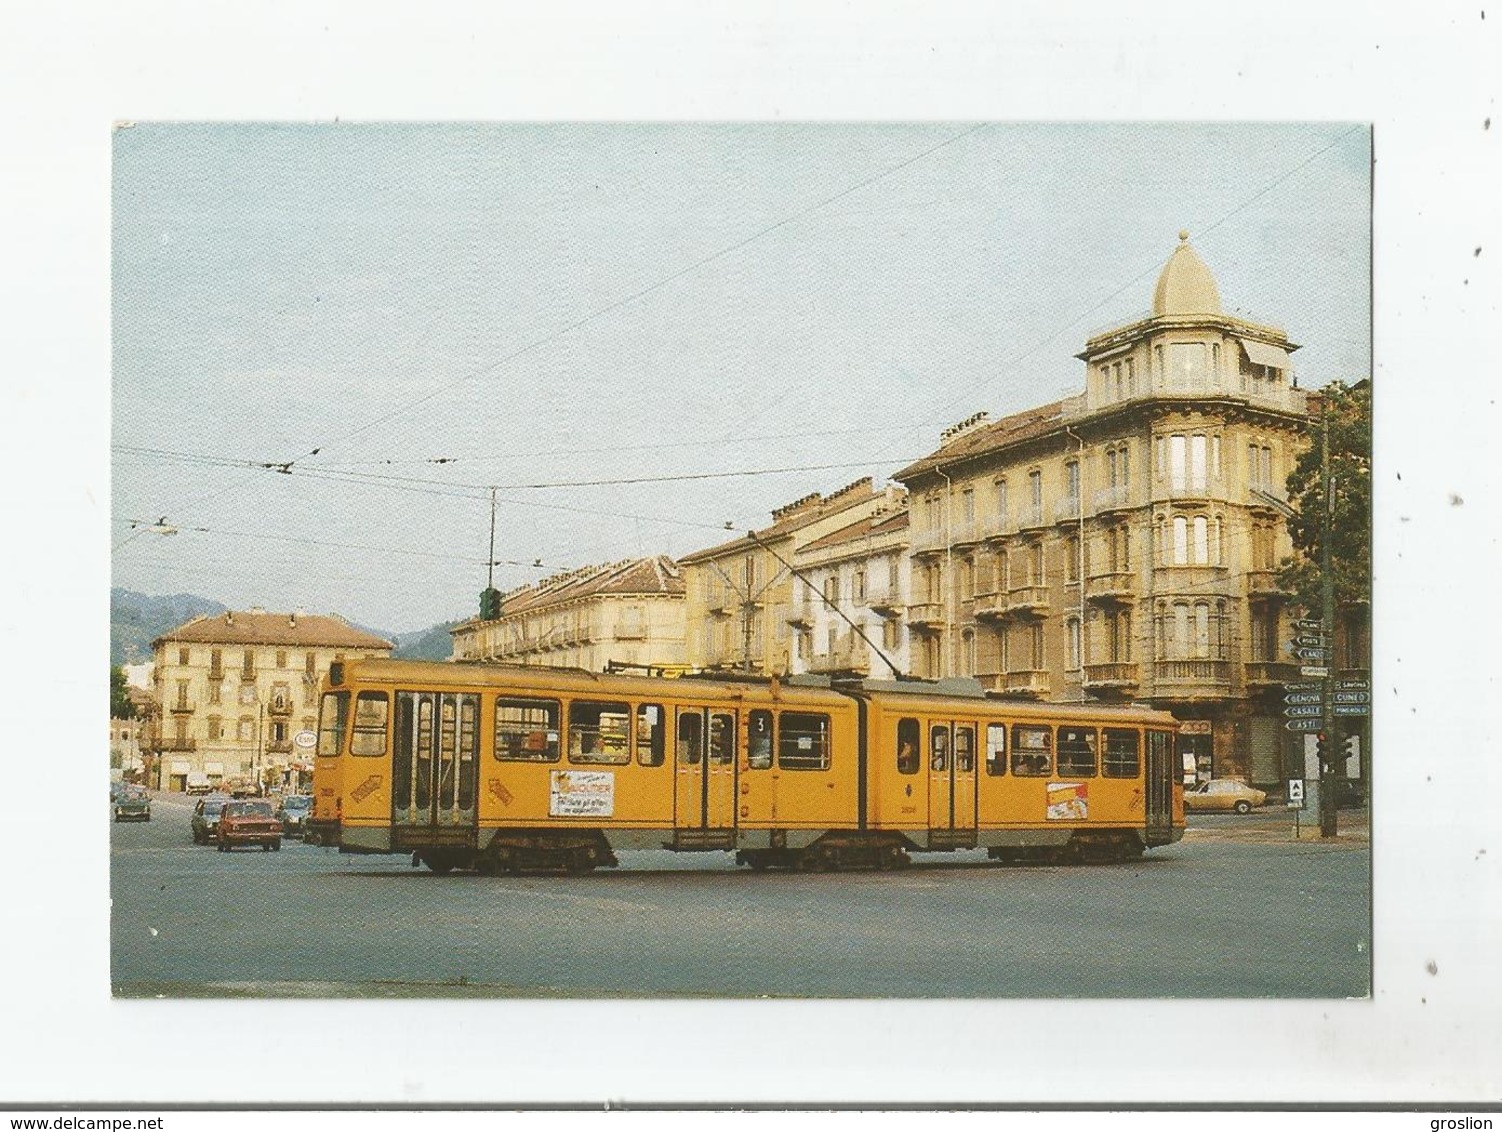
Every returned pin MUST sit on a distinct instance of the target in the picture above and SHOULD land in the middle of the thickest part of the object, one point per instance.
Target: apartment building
(1123, 543)
(233, 691)
(849, 605)
(622, 614)
(740, 594)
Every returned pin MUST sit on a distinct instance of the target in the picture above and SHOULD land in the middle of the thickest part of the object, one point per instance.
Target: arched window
(1180, 540)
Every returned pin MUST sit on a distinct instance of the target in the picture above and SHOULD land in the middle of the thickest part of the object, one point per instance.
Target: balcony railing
(851, 656)
(1028, 599)
(216, 674)
(1113, 498)
(1203, 672)
(926, 614)
(1066, 511)
(1264, 583)
(1271, 672)
(1116, 674)
(282, 708)
(1023, 682)
(990, 605)
(885, 600)
(1114, 585)
(182, 707)
(279, 746)
(174, 743)
(926, 539)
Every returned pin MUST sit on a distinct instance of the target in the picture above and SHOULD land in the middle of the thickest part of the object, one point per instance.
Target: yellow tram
(501, 768)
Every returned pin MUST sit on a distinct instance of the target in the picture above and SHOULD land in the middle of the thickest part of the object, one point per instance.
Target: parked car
(133, 805)
(249, 821)
(293, 814)
(198, 783)
(1224, 794)
(205, 820)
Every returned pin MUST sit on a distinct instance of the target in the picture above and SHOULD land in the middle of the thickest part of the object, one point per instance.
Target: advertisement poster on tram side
(581, 793)
(1068, 801)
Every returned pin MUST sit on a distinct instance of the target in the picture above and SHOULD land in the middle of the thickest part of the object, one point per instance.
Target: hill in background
(137, 619)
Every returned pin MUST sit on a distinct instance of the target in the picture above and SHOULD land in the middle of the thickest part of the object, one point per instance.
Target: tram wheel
(578, 863)
(439, 865)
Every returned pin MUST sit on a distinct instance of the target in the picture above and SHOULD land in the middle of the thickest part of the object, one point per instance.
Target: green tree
(121, 705)
(1348, 411)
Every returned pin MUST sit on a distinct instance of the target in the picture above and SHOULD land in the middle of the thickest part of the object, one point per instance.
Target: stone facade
(623, 614)
(232, 690)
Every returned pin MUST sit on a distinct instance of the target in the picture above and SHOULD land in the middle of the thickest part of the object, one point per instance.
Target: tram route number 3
(581, 794)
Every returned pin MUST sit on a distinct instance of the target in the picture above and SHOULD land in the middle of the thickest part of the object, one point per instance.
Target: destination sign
(1309, 670)
(1311, 641)
(1303, 686)
(1310, 654)
(1354, 685)
(1351, 709)
(1350, 697)
(1303, 725)
(1303, 698)
(1303, 709)
(1309, 625)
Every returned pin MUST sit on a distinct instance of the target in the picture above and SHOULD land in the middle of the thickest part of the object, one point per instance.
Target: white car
(1224, 794)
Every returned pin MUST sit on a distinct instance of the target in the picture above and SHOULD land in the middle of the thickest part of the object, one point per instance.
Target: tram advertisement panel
(581, 794)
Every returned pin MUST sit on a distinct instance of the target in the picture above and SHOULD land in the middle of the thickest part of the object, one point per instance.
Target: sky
(330, 341)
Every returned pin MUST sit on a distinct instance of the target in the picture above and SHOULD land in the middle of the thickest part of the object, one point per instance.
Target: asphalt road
(1238, 909)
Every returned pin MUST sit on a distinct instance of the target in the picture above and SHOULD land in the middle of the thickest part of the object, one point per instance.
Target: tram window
(371, 710)
(1123, 754)
(996, 748)
(1077, 750)
(938, 747)
(599, 733)
(722, 739)
(760, 753)
(526, 730)
(1032, 750)
(908, 734)
(964, 748)
(651, 738)
(802, 741)
(331, 719)
(690, 738)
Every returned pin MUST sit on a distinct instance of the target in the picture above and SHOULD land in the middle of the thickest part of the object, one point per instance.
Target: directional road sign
(1303, 709)
(1304, 724)
(1350, 697)
(1311, 670)
(1302, 698)
(1310, 654)
(1309, 625)
(1350, 709)
(1311, 641)
(1354, 685)
(1303, 686)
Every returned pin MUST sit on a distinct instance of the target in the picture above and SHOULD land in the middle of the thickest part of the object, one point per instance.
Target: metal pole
(1327, 818)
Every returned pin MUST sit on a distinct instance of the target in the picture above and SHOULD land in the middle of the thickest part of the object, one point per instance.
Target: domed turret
(1186, 285)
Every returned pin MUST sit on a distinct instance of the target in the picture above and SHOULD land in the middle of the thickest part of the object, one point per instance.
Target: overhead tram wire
(643, 292)
(618, 304)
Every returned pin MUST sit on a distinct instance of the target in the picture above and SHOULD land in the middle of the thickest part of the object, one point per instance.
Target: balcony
(927, 540)
(1264, 584)
(1198, 580)
(1112, 499)
(182, 707)
(177, 743)
(1024, 682)
(279, 707)
(1028, 600)
(1214, 675)
(1031, 518)
(990, 604)
(1112, 586)
(1066, 511)
(1117, 674)
(927, 615)
(848, 656)
(279, 746)
(216, 674)
(1269, 673)
(884, 601)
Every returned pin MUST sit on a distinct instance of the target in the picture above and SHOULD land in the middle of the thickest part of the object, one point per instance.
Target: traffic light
(1322, 748)
(1353, 746)
(490, 604)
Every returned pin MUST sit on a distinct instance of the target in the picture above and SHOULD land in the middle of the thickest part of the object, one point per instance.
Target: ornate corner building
(1123, 544)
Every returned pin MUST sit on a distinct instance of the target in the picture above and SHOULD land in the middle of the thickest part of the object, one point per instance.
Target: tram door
(951, 783)
(434, 760)
(704, 791)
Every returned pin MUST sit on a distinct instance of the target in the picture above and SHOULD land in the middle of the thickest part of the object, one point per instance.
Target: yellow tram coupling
(833, 853)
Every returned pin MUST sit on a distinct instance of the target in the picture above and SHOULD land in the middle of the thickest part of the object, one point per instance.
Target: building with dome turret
(1122, 544)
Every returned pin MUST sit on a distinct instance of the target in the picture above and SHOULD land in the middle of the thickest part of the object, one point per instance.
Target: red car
(249, 822)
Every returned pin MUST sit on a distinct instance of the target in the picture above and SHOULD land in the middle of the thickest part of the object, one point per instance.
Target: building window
(247, 693)
(1072, 558)
(245, 729)
(310, 665)
(1035, 565)
(1121, 637)
(1072, 631)
(281, 658)
(1180, 540)
(832, 589)
(967, 505)
(1072, 483)
(858, 586)
(182, 657)
(216, 728)
(1001, 503)
(1037, 643)
(1201, 540)
(967, 579)
(1035, 491)
(1197, 462)
(967, 653)
(1178, 462)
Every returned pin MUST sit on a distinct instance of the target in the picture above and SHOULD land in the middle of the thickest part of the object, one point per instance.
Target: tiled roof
(874, 527)
(989, 437)
(258, 627)
(794, 517)
(657, 575)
